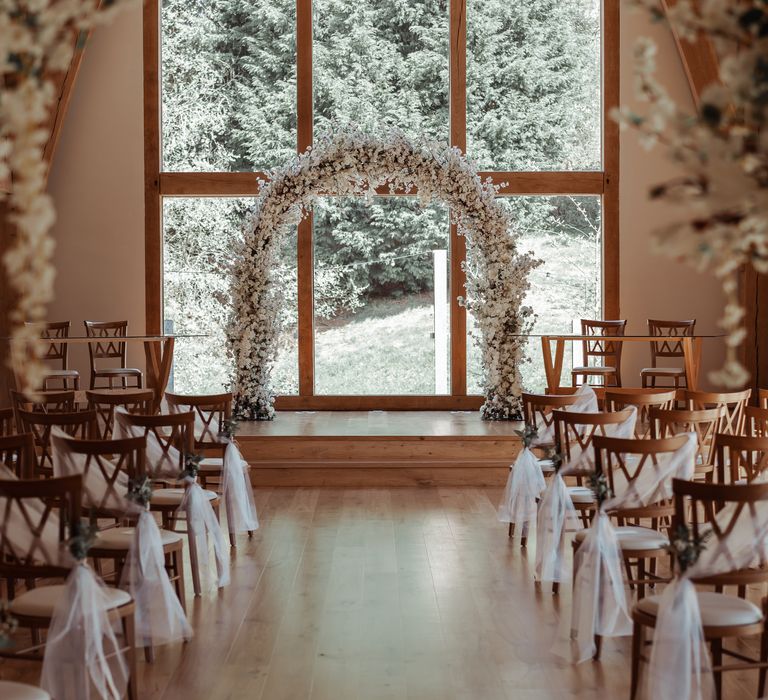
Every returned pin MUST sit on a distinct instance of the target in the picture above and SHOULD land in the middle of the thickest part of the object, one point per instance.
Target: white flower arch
(350, 162)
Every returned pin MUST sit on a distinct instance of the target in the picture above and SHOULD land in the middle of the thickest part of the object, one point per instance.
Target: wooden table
(158, 350)
(553, 368)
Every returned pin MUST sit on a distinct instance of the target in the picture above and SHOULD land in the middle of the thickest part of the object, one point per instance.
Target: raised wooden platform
(379, 448)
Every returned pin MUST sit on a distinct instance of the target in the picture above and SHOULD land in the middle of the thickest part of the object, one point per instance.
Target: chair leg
(717, 661)
(524, 535)
(637, 646)
(129, 630)
(763, 659)
(178, 568)
(598, 647)
(555, 587)
(193, 562)
(511, 530)
(641, 578)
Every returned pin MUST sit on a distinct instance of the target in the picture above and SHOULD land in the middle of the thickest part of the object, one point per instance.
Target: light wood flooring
(381, 593)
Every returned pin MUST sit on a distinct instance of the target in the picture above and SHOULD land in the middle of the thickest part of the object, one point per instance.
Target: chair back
(166, 434)
(6, 421)
(109, 348)
(756, 421)
(80, 424)
(574, 432)
(643, 400)
(53, 331)
(538, 409)
(48, 508)
(17, 453)
(106, 468)
(672, 333)
(105, 401)
(731, 403)
(45, 401)
(625, 460)
(211, 411)
(697, 506)
(601, 346)
(739, 458)
(704, 423)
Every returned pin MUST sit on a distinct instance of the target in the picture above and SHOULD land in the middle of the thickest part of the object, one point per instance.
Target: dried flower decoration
(81, 539)
(528, 434)
(140, 491)
(598, 482)
(191, 466)
(686, 548)
(8, 625)
(229, 428)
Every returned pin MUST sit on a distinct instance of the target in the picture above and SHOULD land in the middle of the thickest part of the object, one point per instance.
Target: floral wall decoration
(721, 152)
(37, 41)
(350, 162)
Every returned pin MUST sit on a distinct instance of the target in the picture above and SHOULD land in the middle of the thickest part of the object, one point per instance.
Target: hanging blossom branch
(37, 40)
(722, 151)
(350, 162)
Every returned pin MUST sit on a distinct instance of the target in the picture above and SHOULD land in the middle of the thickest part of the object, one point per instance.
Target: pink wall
(97, 184)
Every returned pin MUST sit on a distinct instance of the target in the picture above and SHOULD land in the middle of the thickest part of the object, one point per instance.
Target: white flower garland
(37, 40)
(354, 163)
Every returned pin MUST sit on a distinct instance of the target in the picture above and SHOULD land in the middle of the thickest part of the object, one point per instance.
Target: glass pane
(382, 319)
(382, 63)
(564, 232)
(228, 84)
(533, 84)
(198, 239)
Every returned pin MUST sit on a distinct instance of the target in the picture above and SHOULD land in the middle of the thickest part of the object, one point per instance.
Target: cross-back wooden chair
(607, 353)
(45, 401)
(80, 424)
(740, 458)
(574, 433)
(7, 422)
(105, 401)
(17, 453)
(756, 421)
(731, 404)
(643, 400)
(49, 508)
(173, 435)
(110, 349)
(704, 423)
(538, 410)
(58, 353)
(669, 347)
(723, 616)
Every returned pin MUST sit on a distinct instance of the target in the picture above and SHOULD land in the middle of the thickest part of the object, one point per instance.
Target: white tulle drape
(160, 618)
(680, 667)
(556, 511)
(600, 602)
(83, 659)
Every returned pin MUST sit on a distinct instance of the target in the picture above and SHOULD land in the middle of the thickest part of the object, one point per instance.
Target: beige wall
(97, 183)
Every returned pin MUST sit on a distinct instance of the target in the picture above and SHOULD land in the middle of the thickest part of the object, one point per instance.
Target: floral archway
(354, 163)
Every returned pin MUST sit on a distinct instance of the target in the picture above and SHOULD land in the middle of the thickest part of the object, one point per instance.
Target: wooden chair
(731, 404)
(704, 423)
(75, 423)
(756, 421)
(671, 346)
(45, 401)
(723, 616)
(110, 349)
(17, 453)
(739, 459)
(173, 433)
(58, 353)
(105, 401)
(644, 400)
(608, 353)
(114, 461)
(7, 422)
(34, 608)
(538, 410)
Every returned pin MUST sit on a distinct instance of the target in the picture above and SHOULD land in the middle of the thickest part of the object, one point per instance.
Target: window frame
(159, 184)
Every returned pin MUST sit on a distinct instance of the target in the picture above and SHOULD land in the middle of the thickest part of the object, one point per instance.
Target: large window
(371, 316)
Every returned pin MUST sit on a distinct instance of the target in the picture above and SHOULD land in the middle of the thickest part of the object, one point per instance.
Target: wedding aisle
(381, 593)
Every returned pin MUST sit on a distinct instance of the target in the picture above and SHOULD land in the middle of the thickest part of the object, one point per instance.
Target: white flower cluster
(722, 152)
(37, 40)
(350, 162)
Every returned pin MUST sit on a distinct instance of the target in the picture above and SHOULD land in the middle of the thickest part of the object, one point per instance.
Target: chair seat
(174, 497)
(547, 465)
(121, 537)
(21, 691)
(70, 373)
(663, 371)
(634, 537)
(717, 609)
(211, 464)
(593, 370)
(42, 601)
(117, 372)
(581, 494)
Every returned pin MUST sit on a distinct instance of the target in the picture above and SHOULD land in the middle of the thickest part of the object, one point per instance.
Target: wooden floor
(381, 593)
